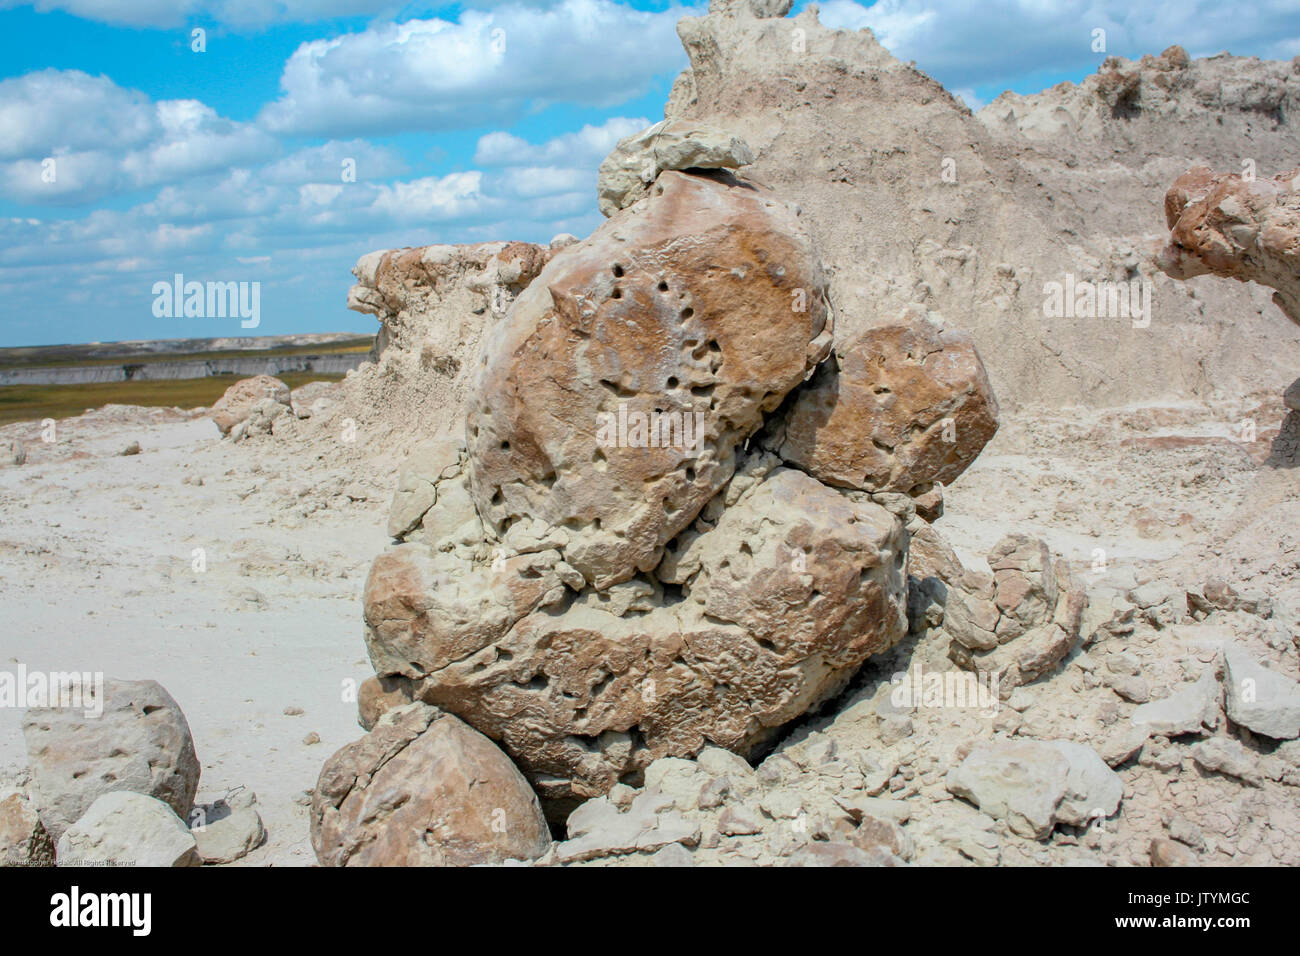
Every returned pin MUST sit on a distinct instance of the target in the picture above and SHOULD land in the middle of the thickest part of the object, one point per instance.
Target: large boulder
(424, 789)
(1244, 229)
(128, 829)
(244, 400)
(614, 395)
(628, 172)
(760, 612)
(905, 405)
(141, 742)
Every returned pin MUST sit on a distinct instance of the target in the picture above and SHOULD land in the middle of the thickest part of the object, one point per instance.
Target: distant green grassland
(34, 402)
(47, 355)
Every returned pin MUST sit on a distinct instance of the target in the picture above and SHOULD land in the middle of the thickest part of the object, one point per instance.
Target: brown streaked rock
(768, 614)
(239, 401)
(909, 405)
(424, 789)
(1241, 229)
(703, 307)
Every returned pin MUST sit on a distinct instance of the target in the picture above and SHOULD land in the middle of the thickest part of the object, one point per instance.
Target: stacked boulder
(660, 532)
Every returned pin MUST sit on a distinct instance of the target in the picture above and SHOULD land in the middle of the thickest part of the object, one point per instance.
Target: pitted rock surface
(706, 303)
(776, 607)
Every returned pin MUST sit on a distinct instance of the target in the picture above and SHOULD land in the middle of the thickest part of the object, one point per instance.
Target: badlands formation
(818, 509)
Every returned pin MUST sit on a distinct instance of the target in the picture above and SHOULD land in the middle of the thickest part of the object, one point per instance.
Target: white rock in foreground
(1034, 784)
(128, 829)
(1260, 699)
(140, 742)
(1186, 711)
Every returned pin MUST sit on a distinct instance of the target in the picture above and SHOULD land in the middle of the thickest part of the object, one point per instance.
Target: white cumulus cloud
(588, 145)
(73, 138)
(486, 68)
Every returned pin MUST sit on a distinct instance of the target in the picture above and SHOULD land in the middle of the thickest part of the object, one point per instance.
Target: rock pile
(613, 568)
(114, 775)
(140, 742)
(251, 406)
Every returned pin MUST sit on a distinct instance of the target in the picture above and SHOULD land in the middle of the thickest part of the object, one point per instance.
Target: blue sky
(464, 122)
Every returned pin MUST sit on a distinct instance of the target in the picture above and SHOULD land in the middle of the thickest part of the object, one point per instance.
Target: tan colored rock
(876, 833)
(686, 309)
(399, 285)
(1035, 784)
(779, 604)
(908, 406)
(1239, 229)
(241, 400)
(23, 839)
(433, 305)
(1028, 622)
(424, 789)
(417, 483)
(141, 742)
(628, 172)
(1165, 852)
(314, 398)
(378, 695)
(224, 834)
(426, 609)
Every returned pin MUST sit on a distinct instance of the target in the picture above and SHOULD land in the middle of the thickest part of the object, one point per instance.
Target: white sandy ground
(96, 563)
(96, 559)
